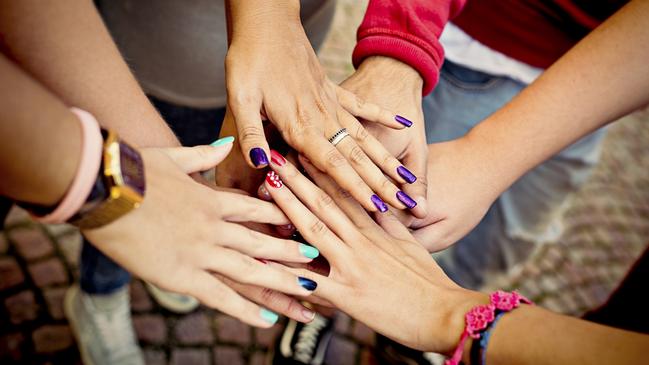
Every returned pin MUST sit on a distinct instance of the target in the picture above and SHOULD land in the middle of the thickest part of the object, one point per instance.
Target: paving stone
(266, 336)
(341, 351)
(10, 273)
(59, 229)
(232, 330)
(363, 334)
(342, 323)
(52, 338)
(70, 245)
(140, 300)
(10, 346)
(16, 216)
(154, 357)
(48, 272)
(31, 243)
(150, 328)
(194, 329)
(22, 307)
(224, 355)
(258, 358)
(190, 357)
(54, 299)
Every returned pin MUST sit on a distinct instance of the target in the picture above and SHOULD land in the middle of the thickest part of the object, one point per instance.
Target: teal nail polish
(222, 141)
(309, 251)
(268, 316)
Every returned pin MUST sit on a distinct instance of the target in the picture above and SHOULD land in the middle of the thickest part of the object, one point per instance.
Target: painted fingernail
(406, 199)
(307, 284)
(268, 316)
(277, 158)
(309, 251)
(402, 120)
(380, 204)
(273, 180)
(309, 315)
(223, 141)
(258, 157)
(406, 174)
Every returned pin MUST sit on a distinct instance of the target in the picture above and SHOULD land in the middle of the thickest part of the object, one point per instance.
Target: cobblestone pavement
(606, 226)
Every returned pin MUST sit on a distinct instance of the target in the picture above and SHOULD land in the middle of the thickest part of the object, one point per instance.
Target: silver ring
(338, 136)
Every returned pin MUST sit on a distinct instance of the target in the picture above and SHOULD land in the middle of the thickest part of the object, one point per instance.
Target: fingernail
(406, 174)
(264, 193)
(307, 284)
(222, 141)
(277, 158)
(258, 157)
(406, 199)
(403, 120)
(273, 180)
(268, 316)
(308, 314)
(380, 204)
(309, 251)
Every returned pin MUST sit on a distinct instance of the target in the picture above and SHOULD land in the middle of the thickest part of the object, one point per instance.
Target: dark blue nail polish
(406, 174)
(380, 204)
(258, 156)
(307, 284)
(403, 120)
(406, 200)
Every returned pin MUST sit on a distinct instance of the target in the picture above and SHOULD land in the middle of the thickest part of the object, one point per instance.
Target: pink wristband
(91, 155)
(479, 317)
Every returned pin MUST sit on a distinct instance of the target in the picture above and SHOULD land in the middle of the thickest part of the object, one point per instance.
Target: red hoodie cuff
(426, 62)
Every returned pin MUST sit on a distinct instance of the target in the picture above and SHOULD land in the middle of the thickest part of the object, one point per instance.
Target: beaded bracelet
(480, 316)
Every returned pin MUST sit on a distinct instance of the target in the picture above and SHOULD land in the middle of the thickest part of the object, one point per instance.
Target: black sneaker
(304, 344)
(389, 352)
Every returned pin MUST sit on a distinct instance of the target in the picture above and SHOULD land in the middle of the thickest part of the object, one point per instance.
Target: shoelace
(307, 339)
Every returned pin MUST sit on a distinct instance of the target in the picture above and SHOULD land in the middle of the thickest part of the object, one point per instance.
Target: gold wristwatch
(119, 188)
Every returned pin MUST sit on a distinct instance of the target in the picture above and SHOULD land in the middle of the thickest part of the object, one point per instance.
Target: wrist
(394, 73)
(249, 17)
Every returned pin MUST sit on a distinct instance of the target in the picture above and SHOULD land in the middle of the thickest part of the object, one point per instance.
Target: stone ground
(606, 226)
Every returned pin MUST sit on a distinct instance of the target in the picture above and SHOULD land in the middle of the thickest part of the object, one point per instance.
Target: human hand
(273, 73)
(463, 186)
(378, 274)
(396, 86)
(185, 236)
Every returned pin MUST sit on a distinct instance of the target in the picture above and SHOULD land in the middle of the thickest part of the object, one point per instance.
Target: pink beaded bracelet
(91, 152)
(479, 317)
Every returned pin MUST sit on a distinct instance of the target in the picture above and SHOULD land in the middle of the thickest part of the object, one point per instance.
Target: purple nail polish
(406, 174)
(380, 204)
(403, 120)
(258, 156)
(406, 200)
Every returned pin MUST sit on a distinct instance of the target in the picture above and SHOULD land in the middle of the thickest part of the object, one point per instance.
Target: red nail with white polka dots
(273, 180)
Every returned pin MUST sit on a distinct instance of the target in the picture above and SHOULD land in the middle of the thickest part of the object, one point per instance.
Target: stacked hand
(273, 73)
(186, 238)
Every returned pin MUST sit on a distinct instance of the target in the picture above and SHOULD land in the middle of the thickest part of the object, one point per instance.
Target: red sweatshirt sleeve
(407, 30)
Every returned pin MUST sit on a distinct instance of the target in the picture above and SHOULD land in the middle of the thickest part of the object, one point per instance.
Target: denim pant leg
(525, 214)
(100, 274)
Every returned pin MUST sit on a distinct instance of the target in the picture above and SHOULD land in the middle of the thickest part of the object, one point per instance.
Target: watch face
(132, 168)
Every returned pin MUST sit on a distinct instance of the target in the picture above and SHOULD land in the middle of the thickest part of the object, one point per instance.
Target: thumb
(200, 158)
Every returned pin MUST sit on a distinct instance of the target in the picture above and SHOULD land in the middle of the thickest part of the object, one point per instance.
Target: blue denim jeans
(101, 275)
(526, 214)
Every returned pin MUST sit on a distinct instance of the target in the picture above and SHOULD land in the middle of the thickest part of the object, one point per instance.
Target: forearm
(602, 78)
(40, 140)
(67, 48)
(531, 335)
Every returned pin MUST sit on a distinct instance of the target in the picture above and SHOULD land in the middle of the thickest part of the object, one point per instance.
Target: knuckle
(317, 228)
(357, 156)
(268, 296)
(251, 132)
(360, 102)
(343, 193)
(361, 134)
(384, 184)
(334, 159)
(323, 201)
(387, 159)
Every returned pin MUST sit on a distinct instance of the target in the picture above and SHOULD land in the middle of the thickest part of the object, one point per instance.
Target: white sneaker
(103, 327)
(177, 303)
